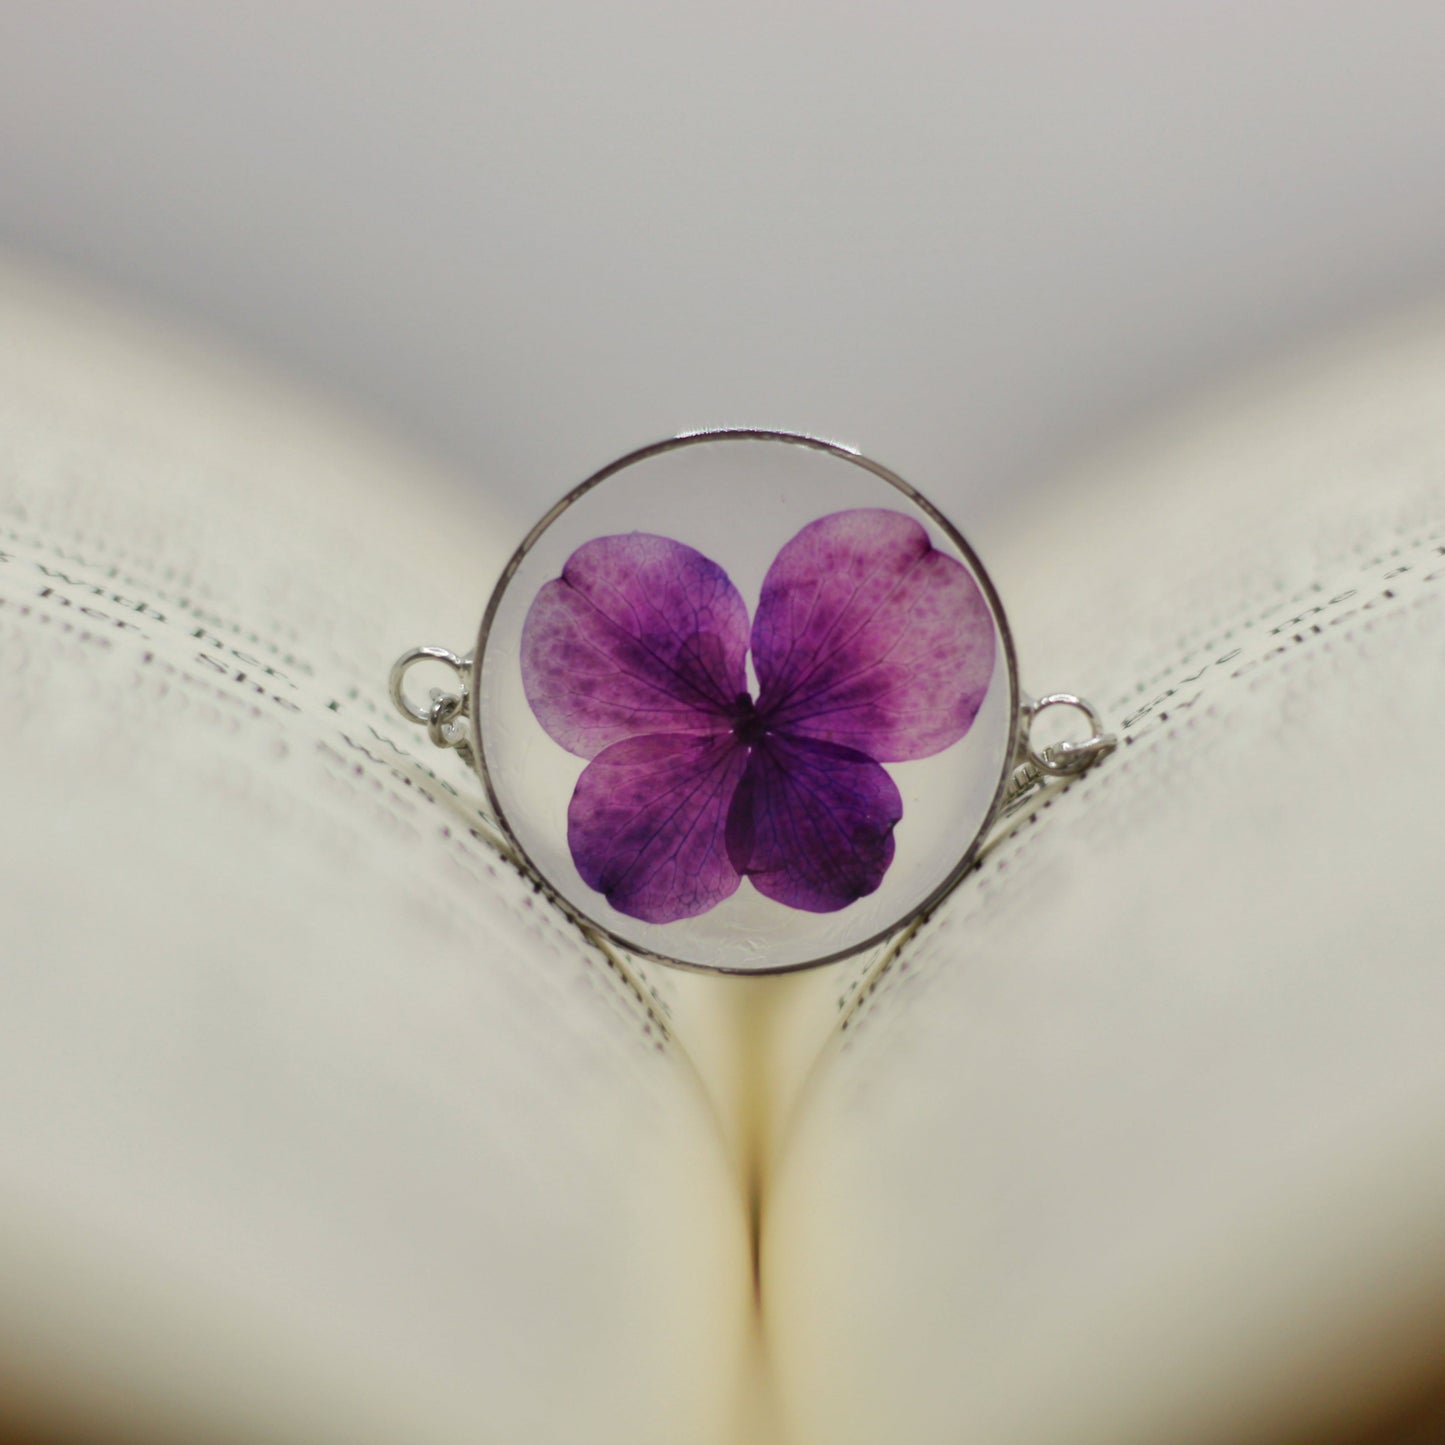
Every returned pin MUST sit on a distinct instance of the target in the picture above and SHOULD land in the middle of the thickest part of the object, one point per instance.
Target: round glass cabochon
(745, 701)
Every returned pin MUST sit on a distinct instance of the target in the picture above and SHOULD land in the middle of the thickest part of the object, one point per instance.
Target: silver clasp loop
(445, 715)
(1066, 759)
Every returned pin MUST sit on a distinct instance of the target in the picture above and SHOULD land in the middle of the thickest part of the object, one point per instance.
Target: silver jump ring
(423, 715)
(1065, 759)
(446, 709)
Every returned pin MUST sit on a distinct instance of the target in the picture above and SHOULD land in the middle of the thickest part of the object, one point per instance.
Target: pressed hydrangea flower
(869, 647)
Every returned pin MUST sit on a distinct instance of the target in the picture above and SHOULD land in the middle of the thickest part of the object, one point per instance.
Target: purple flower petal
(647, 821)
(640, 635)
(868, 637)
(812, 823)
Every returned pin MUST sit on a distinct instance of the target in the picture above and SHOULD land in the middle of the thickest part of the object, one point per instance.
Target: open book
(319, 1124)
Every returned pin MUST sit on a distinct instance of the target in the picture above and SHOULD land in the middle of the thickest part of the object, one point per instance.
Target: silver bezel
(966, 860)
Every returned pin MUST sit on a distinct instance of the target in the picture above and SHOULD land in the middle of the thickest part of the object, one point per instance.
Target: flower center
(748, 728)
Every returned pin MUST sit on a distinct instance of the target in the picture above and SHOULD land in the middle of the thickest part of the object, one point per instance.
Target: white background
(966, 238)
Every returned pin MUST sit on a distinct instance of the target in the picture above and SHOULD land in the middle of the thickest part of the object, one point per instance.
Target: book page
(1142, 1137)
(318, 1123)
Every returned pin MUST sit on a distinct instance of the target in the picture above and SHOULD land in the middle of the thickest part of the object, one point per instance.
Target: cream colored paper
(319, 1125)
(1144, 1137)
(315, 1123)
